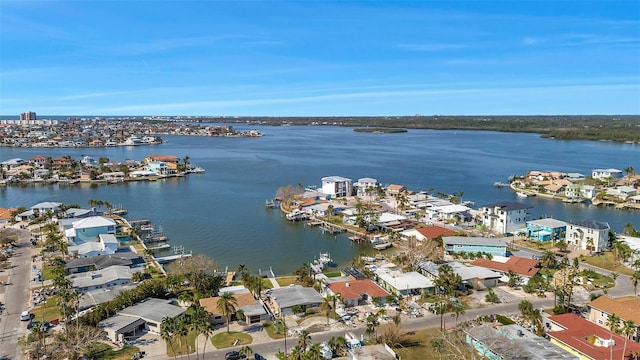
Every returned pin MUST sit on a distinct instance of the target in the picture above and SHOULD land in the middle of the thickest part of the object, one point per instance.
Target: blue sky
(319, 58)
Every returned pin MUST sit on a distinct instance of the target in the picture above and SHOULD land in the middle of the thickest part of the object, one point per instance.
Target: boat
(522, 194)
(197, 170)
(110, 143)
(325, 259)
(271, 204)
(501, 184)
(297, 215)
(132, 141)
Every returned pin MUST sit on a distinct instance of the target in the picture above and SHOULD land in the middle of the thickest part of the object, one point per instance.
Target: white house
(622, 192)
(588, 234)
(88, 229)
(504, 217)
(363, 184)
(106, 244)
(103, 279)
(336, 186)
(449, 212)
(604, 174)
(401, 283)
(580, 191)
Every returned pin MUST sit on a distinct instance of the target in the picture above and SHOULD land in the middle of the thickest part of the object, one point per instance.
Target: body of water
(221, 213)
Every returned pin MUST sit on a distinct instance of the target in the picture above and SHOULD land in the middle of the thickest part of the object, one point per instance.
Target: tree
(635, 279)
(458, 309)
(372, 324)
(304, 340)
(168, 331)
(227, 305)
(246, 351)
(629, 329)
(491, 296)
(202, 325)
(612, 323)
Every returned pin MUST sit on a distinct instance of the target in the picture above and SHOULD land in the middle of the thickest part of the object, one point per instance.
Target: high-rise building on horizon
(29, 115)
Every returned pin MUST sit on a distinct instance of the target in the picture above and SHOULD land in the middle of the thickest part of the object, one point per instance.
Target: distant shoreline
(379, 130)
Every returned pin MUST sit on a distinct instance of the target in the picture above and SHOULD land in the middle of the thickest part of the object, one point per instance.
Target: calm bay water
(221, 213)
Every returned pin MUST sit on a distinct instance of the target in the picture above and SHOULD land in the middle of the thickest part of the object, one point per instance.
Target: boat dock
(170, 258)
(267, 273)
(326, 227)
(501, 184)
(159, 247)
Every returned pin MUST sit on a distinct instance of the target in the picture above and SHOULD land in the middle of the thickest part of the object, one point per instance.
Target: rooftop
(590, 224)
(519, 265)
(354, 289)
(290, 296)
(242, 300)
(404, 281)
(93, 221)
(625, 308)
(153, 309)
(431, 232)
(508, 206)
(481, 241)
(548, 222)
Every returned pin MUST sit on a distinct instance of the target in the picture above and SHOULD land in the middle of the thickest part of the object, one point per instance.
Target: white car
(25, 316)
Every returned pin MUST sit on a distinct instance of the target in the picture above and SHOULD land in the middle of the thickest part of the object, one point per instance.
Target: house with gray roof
(589, 235)
(106, 244)
(146, 315)
(504, 217)
(103, 279)
(544, 229)
(285, 298)
(88, 229)
(467, 244)
(99, 262)
(476, 276)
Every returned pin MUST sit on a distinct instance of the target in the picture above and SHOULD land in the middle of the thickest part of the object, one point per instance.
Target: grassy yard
(105, 352)
(266, 284)
(224, 340)
(418, 346)
(286, 280)
(188, 345)
(271, 330)
(49, 308)
(606, 261)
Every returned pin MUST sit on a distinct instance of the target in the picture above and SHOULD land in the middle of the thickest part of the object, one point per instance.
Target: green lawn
(605, 261)
(224, 340)
(105, 352)
(188, 345)
(49, 308)
(266, 284)
(271, 330)
(286, 280)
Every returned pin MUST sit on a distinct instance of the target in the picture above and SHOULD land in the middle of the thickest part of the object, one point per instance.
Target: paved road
(16, 295)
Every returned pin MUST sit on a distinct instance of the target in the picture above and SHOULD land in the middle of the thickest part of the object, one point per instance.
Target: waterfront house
(522, 266)
(336, 186)
(589, 235)
(364, 186)
(395, 190)
(146, 315)
(99, 262)
(512, 342)
(41, 162)
(504, 217)
(76, 213)
(606, 174)
(401, 283)
(624, 308)
(88, 229)
(158, 168)
(63, 162)
(88, 161)
(475, 276)
(427, 233)
(106, 244)
(622, 192)
(100, 296)
(580, 191)
(38, 209)
(285, 298)
(12, 163)
(449, 212)
(103, 279)
(171, 160)
(544, 229)
(554, 189)
(474, 245)
(254, 310)
(352, 292)
(587, 340)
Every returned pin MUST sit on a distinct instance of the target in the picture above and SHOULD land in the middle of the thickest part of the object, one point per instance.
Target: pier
(170, 258)
(326, 227)
(267, 273)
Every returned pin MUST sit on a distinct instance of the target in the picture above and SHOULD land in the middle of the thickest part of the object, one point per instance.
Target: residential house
(474, 245)
(5, 215)
(63, 162)
(88, 161)
(520, 265)
(401, 283)
(352, 292)
(544, 230)
(364, 186)
(606, 174)
(103, 279)
(512, 342)
(253, 310)
(624, 308)
(146, 315)
(76, 213)
(336, 186)
(80, 265)
(285, 298)
(158, 168)
(504, 217)
(554, 188)
(395, 190)
(12, 163)
(41, 162)
(100, 296)
(580, 191)
(450, 212)
(170, 161)
(106, 244)
(427, 233)
(622, 192)
(475, 276)
(588, 340)
(372, 352)
(588, 235)
(37, 209)
(88, 229)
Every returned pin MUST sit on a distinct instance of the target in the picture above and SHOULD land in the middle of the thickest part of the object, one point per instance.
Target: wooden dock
(267, 273)
(229, 278)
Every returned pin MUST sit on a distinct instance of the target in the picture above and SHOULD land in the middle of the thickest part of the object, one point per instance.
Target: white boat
(325, 259)
(297, 215)
(271, 204)
(111, 143)
(522, 194)
(132, 141)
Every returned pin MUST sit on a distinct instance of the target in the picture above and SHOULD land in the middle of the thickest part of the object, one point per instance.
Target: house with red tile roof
(354, 291)
(626, 309)
(588, 340)
(395, 190)
(5, 215)
(427, 233)
(520, 265)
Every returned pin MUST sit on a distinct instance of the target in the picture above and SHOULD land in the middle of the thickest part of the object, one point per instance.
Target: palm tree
(168, 331)
(304, 340)
(612, 323)
(227, 305)
(629, 329)
(458, 309)
(246, 351)
(635, 279)
(314, 352)
(296, 353)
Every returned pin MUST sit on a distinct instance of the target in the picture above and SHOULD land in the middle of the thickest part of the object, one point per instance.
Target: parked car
(25, 316)
(233, 355)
